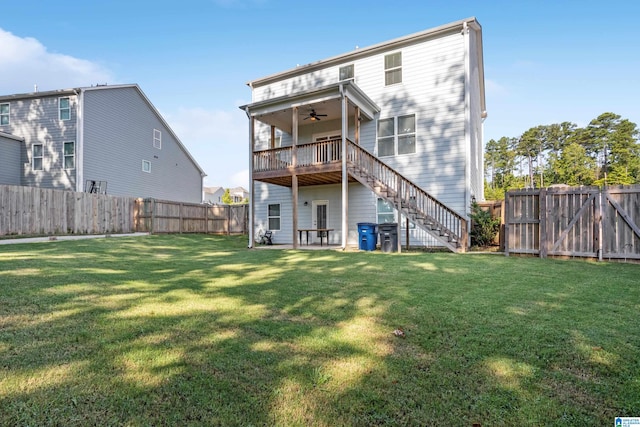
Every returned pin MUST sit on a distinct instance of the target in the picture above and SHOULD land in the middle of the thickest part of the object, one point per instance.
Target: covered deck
(306, 163)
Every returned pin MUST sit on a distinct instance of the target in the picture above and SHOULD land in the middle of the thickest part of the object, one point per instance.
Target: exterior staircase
(422, 209)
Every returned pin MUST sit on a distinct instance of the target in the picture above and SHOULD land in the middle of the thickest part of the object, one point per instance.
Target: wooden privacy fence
(574, 221)
(161, 216)
(42, 211)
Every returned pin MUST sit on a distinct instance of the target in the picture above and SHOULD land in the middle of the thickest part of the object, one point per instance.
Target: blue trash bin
(367, 236)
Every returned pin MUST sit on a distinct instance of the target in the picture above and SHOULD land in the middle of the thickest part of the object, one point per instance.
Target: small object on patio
(266, 238)
(399, 333)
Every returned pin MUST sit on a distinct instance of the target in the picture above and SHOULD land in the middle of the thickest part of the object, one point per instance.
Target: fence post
(228, 220)
(507, 217)
(599, 217)
(206, 219)
(542, 217)
(152, 204)
(180, 217)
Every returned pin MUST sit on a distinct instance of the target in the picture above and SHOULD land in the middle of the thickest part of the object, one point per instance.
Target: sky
(545, 61)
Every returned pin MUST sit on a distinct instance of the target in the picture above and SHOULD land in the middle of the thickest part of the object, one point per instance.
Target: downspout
(79, 139)
(467, 123)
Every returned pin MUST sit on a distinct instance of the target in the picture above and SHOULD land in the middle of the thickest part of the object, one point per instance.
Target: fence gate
(621, 222)
(569, 221)
(574, 221)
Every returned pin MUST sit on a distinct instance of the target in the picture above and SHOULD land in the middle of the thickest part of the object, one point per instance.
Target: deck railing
(422, 208)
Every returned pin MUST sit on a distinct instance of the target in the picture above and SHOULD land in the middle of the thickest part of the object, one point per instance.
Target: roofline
(370, 50)
(10, 136)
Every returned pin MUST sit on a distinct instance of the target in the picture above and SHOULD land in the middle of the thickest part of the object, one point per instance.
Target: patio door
(319, 217)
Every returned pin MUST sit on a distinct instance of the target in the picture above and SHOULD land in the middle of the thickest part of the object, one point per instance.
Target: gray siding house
(10, 152)
(390, 133)
(102, 138)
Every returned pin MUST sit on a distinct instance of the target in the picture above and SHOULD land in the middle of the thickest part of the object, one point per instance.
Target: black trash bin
(367, 236)
(388, 236)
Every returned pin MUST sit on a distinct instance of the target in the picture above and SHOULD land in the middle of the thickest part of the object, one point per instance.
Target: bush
(484, 228)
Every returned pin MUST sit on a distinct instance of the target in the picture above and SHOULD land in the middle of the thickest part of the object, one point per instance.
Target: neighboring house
(102, 138)
(238, 194)
(10, 149)
(383, 134)
(213, 195)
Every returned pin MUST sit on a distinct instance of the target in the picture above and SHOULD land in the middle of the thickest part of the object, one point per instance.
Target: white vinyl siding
(5, 109)
(433, 89)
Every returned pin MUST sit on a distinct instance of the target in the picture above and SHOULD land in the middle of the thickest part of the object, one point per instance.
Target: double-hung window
(37, 154)
(4, 114)
(345, 73)
(393, 68)
(274, 217)
(69, 152)
(385, 212)
(397, 135)
(64, 108)
(157, 139)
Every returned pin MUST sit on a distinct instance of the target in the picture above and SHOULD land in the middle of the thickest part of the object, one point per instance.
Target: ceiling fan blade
(321, 115)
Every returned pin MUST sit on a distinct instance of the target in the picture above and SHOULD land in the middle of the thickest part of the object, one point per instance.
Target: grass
(198, 330)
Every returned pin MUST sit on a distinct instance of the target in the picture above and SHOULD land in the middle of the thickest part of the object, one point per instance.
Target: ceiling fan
(314, 116)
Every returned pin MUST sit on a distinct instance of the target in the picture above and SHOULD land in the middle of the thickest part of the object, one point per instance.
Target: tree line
(605, 152)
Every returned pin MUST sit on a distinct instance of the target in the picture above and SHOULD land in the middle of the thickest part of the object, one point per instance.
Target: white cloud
(218, 140)
(493, 88)
(26, 62)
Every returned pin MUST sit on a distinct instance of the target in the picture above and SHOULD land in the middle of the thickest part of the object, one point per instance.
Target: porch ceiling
(278, 111)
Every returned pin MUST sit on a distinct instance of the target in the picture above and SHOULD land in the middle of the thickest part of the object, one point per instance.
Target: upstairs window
(64, 108)
(397, 135)
(157, 139)
(37, 154)
(69, 152)
(4, 114)
(346, 73)
(393, 68)
(274, 217)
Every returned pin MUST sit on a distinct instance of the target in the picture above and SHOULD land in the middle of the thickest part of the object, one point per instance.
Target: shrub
(484, 228)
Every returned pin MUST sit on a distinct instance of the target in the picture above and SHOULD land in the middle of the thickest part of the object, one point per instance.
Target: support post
(294, 177)
(252, 125)
(345, 176)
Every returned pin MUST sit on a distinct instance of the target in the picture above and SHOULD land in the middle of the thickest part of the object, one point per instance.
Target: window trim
(389, 70)
(7, 114)
(34, 157)
(352, 73)
(397, 135)
(64, 155)
(392, 212)
(157, 139)
(146, 162)
(270, 217)
(60, 109)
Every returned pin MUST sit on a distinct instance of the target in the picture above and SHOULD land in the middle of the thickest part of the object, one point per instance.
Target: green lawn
(199, 330)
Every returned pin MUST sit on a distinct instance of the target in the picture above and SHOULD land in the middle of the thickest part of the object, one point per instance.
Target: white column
(345, 175)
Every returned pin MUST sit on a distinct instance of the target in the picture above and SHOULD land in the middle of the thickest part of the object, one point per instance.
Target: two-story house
(101, 139)
(390, 133)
